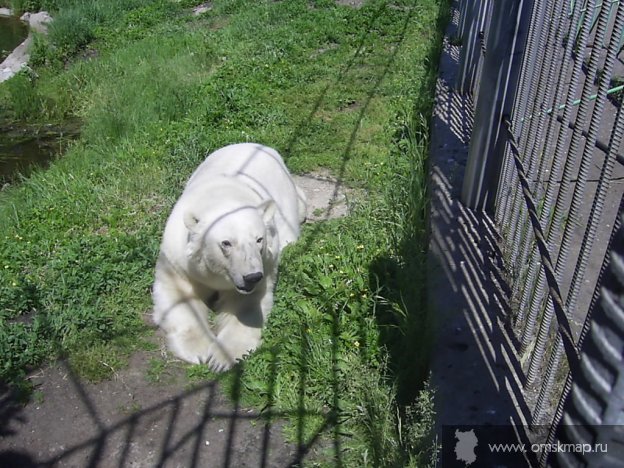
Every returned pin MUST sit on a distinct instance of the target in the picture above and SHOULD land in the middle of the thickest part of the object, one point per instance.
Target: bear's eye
(259, 240)
(226, 244)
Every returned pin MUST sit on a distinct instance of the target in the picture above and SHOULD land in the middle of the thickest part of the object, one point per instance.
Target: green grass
(345, 353)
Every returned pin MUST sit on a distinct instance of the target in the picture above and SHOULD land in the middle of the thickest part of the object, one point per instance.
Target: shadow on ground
(131, 421)
(476, 373)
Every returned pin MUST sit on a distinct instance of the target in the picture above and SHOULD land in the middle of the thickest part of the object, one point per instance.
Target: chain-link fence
(545, 163)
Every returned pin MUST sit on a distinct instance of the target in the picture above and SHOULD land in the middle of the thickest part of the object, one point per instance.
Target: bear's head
(230, 249)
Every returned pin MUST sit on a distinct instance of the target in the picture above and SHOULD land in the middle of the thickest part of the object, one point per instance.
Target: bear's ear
(267, 208)
(191, 221)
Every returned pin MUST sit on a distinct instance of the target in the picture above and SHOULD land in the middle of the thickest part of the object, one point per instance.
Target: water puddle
(23, 148)
(12, 33)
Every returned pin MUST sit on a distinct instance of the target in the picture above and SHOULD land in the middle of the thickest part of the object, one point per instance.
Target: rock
(203, 8)
(16, 60)
(20, 55)
(37, 21)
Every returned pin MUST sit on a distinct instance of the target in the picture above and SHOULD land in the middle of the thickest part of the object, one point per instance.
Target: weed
(456, 40)
(132, 408)
(161, 370)
(22, 6)
(199, 373)
(38, 397)
(25, 100)
(156, 370)
(96, 363)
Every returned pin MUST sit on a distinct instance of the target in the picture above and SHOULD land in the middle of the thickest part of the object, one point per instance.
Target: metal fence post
(504, 52)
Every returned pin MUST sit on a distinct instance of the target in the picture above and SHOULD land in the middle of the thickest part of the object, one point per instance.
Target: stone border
(18, 59)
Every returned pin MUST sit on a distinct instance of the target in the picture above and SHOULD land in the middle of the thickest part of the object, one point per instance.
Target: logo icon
(465, 446)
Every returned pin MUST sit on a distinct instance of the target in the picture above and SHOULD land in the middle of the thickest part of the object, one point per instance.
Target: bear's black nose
(253, 278)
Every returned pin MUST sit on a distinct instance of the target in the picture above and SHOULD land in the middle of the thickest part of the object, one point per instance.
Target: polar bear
(220, 250)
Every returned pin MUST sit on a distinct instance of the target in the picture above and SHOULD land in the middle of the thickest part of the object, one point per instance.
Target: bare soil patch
(131, 421)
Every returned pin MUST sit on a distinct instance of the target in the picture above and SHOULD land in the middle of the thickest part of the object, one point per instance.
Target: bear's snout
(250, 281)
(253, 278)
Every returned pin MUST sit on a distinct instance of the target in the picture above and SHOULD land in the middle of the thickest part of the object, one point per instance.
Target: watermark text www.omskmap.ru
(477, 446)
(548, 448)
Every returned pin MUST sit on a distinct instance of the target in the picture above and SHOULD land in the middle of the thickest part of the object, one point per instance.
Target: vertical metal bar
(505, 47)
(519, 225)
(463, 17)
(548, 380)
(535, 294)
(535, 132)
(532, 60)
(507, 188)
(556, 423)
(601, 191)
(555, 63)
(579, 189)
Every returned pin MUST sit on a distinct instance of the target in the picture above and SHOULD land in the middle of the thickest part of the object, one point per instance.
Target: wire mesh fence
(545, 162)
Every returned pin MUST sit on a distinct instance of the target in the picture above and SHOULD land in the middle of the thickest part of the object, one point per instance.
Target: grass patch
(345, 352)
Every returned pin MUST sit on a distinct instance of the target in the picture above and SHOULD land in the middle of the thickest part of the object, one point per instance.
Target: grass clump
(348, 90)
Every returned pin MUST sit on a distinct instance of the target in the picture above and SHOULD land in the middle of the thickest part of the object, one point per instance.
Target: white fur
(239, 209)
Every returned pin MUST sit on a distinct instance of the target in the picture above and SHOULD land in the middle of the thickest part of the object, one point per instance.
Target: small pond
(12, 33)
(24, 147)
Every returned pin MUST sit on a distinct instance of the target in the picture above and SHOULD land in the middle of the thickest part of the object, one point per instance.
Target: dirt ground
(132, 421)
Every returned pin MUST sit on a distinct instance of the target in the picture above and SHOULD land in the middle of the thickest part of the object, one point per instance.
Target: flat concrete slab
(327, 197)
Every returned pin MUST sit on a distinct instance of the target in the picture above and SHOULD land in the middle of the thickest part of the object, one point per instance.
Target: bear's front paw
(219, 359)
(190, 345)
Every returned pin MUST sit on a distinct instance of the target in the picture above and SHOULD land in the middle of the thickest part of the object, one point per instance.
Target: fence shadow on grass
(113, 424)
